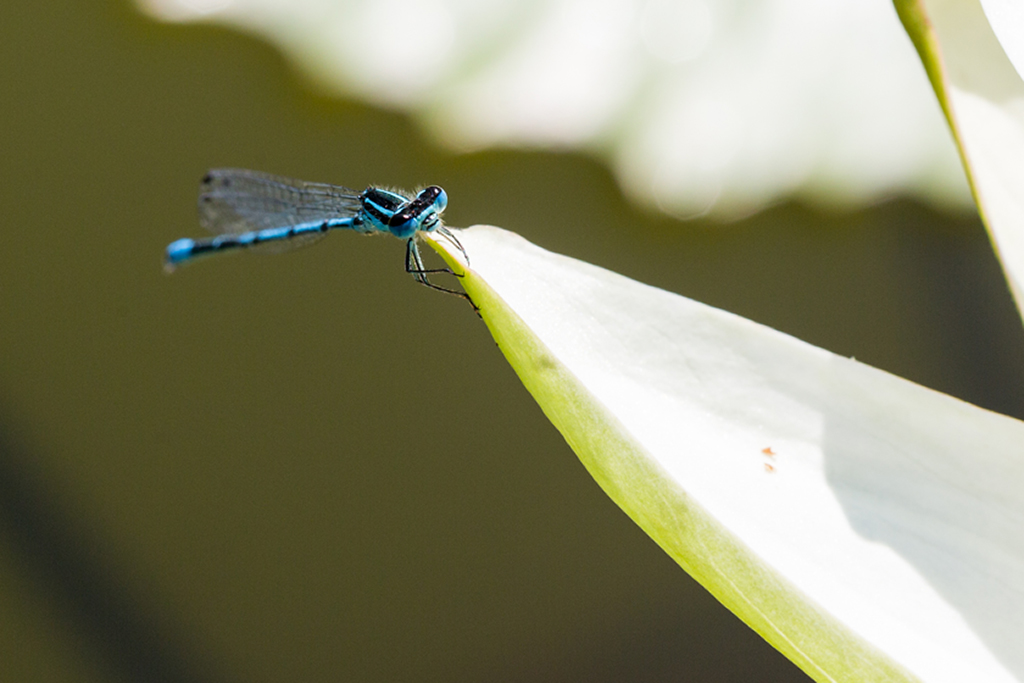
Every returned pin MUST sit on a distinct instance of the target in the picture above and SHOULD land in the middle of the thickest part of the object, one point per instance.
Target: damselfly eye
(441, 200)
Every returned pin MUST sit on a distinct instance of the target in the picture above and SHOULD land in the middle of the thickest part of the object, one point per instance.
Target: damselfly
(253, 210)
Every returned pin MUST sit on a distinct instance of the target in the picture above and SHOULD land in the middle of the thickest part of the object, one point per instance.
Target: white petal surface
(1007, 19)
(869, 528)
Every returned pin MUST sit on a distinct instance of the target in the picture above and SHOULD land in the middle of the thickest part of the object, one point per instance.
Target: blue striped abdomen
(285, 237)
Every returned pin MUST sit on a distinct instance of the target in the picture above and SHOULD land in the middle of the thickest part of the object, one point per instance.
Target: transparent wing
(233, 201)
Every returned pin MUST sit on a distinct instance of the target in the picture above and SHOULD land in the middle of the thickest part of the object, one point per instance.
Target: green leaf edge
(820, 645)
(919, 27)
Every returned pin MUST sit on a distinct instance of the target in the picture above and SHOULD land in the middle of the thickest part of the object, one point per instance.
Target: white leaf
(869, 528)
(1007, 19)
(983, 96)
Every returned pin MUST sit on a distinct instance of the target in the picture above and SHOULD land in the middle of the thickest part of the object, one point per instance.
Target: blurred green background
(307, 467)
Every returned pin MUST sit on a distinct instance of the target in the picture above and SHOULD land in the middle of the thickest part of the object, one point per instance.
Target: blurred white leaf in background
(699, 106)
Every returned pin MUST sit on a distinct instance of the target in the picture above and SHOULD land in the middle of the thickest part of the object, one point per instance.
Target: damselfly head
(439, 197)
